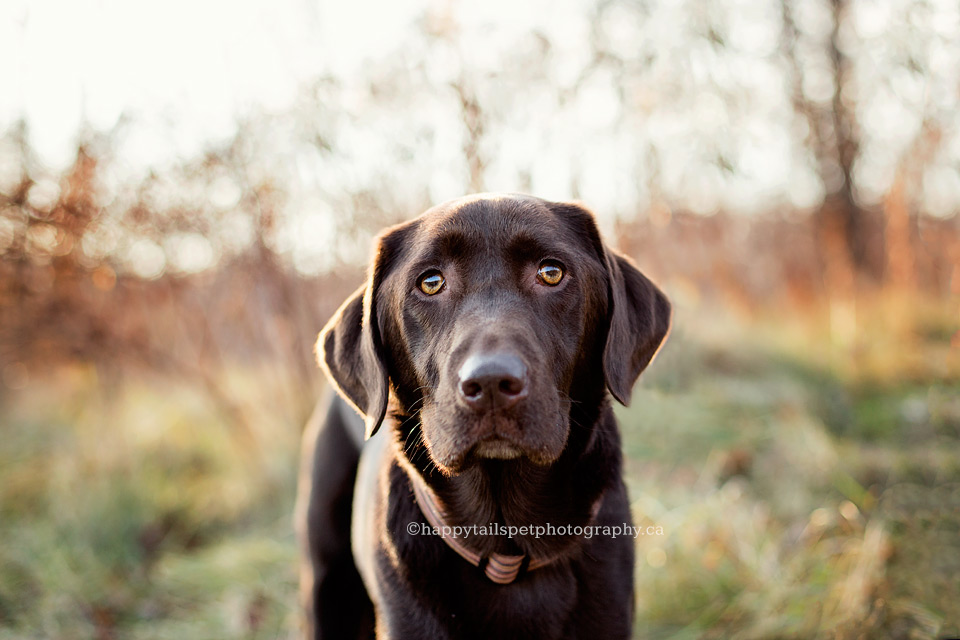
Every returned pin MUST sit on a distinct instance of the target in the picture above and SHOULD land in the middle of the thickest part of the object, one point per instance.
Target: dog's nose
(492, 381)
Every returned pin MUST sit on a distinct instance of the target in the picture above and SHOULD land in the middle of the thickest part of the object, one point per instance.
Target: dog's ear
(639, 316)
(350, 348)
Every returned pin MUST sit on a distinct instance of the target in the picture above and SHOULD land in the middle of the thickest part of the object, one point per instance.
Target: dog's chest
(538, 605)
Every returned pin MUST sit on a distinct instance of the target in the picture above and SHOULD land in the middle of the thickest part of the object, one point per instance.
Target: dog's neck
(499, 567)
(519, 493)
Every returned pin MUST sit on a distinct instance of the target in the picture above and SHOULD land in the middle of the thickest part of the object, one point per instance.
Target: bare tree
(845, 229)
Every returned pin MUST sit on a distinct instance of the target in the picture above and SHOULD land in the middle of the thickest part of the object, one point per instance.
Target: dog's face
(487, 317)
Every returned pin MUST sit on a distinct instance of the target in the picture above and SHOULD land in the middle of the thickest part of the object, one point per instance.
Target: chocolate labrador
(482, 347)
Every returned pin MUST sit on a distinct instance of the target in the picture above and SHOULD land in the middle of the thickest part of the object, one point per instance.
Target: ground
(805, 480)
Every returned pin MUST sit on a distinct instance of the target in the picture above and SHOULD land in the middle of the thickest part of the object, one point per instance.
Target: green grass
(806, 486)
(787, 473)
(134, 512)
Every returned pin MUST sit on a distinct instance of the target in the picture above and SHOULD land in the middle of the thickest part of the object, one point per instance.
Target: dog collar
(498, 567)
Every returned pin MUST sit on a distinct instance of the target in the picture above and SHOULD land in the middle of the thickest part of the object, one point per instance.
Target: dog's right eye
(550, 273)
(431, 282)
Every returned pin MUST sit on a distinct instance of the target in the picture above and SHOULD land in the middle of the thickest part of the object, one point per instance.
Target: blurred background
(189, 189)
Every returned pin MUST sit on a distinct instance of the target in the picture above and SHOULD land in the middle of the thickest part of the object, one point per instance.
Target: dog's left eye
(550, 273)
(431, 282)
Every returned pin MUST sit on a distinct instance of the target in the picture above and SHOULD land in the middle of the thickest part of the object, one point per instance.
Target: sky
(180, 67)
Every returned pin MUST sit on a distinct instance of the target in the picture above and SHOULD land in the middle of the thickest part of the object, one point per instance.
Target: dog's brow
(526, 246)
(450, 243)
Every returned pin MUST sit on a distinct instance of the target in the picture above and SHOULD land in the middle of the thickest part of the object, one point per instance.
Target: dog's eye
(431, 282)
(550, 273)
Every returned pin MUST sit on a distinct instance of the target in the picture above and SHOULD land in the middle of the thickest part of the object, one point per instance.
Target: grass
(806, 484)
(134, 512)
(807, 489)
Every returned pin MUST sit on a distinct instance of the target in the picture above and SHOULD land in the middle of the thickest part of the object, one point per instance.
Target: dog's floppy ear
(638, 312)
(639, 321)
(350, 349)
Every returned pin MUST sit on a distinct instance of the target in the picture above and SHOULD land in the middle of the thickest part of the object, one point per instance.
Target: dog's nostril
(511, 386)
(471, 389)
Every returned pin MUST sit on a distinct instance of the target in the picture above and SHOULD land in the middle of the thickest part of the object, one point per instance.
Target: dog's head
(488, 317)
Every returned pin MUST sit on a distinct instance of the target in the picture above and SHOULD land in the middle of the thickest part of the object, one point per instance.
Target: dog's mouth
(497, 448)
(492, 437)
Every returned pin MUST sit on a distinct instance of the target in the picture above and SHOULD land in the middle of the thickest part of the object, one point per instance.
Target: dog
(478, 357)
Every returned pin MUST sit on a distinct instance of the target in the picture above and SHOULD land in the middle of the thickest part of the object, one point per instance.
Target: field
(806, 480)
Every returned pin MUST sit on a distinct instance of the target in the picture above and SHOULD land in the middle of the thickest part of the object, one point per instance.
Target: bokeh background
(189, 189)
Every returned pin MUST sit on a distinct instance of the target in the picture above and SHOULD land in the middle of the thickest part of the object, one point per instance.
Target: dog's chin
(483, 451)
(497, 449)
(453, 451)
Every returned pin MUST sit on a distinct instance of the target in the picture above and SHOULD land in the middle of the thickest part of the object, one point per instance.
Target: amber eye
(550, 273)
(431, 282)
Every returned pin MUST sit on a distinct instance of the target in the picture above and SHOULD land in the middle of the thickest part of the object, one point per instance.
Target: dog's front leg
(401, 615)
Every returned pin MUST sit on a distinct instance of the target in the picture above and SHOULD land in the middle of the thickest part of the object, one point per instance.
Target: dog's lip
(497, 448)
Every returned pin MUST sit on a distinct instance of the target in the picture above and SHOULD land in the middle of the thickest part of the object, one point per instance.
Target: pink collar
(498, 567)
